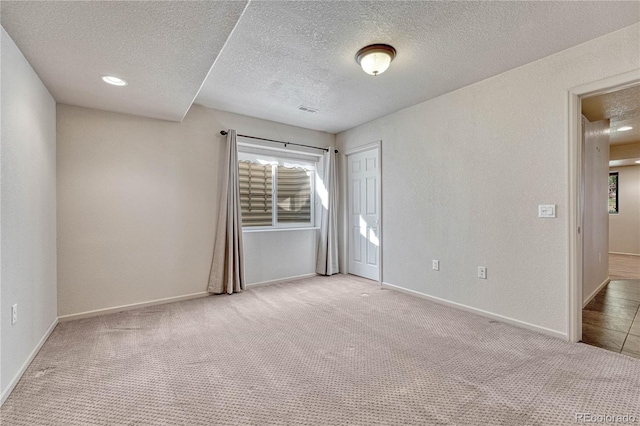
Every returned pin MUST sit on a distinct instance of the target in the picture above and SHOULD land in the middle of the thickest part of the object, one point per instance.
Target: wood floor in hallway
(612, 319)
(624, 267)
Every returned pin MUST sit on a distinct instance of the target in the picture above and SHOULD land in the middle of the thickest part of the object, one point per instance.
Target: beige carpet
(319, 351)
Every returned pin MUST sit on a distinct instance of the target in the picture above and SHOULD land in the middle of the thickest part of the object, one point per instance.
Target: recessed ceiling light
(113, 80)
(624, 128)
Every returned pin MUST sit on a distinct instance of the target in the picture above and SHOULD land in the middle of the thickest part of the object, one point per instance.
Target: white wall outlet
(436, 265)
(482, 272)
(14, 314)
(546, 210)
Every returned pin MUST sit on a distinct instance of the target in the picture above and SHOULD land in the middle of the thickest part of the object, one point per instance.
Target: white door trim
(575, 196)
(366, 147)
(345, 190)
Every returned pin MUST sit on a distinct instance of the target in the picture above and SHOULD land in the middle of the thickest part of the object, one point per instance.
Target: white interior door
(364, 213)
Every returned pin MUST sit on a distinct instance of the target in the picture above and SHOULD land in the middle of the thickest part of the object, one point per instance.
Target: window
(256, 193)
(294, 195)
(266, 176)
(613, 192)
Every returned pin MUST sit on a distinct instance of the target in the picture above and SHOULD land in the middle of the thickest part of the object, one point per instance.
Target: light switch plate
(547, 210)
(436, 265)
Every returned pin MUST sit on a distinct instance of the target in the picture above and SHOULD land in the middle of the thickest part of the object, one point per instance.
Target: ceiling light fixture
(637, 161)
(624, 128)
(375, 59)
(113, 80)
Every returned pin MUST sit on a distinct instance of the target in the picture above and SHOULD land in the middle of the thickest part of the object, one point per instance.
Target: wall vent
(307, 109)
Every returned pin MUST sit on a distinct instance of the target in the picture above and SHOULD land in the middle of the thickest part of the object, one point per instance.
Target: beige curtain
(227, 267)
(327, 254)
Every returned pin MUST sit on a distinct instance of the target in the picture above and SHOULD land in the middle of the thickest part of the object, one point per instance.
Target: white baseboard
(89, 314)
(511, 321)
(625, 254)
(596, 291)
(12, 384)
(280, 280)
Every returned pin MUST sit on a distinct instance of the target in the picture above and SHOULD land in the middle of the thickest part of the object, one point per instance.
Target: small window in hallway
(613, 192)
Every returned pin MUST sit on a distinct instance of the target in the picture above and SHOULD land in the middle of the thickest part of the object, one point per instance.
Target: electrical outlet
(482, 272)
(14, 314)
(436, 265)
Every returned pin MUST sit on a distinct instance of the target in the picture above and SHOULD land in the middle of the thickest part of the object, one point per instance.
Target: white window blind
(256, 193)
(294, 195)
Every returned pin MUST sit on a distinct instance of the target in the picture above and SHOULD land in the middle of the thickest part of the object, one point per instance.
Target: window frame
(277, 157)
(617, 209)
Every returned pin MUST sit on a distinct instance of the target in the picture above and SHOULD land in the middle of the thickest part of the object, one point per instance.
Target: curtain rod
(224, 133)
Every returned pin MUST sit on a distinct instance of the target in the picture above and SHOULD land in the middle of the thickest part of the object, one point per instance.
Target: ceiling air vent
(307, 109)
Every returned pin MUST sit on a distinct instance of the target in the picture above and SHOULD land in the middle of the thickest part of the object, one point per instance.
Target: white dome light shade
(113, 80)
(375, 59)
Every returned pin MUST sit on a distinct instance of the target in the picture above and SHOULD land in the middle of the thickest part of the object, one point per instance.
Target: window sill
(251, 231)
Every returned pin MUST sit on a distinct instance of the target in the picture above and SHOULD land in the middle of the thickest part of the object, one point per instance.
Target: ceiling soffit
(622, 108)
(163, 49)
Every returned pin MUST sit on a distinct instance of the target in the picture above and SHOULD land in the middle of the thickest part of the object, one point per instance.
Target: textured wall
(624, 227)
(273, 256)
(138, 204)
(463, 175)
(27, 212)
(595, 252)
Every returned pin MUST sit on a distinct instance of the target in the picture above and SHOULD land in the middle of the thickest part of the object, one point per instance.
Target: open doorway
(611, 220)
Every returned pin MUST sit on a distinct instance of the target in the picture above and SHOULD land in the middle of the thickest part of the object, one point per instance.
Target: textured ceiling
(278, 55)
(622, 107)
(163, 49)
(286, 54)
